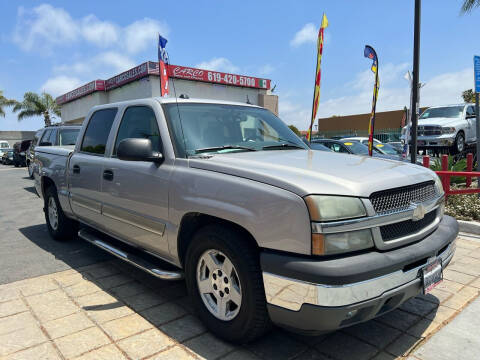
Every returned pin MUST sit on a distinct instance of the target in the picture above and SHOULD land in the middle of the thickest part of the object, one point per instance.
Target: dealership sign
(133, 74)
(188, 73)
(92, 86)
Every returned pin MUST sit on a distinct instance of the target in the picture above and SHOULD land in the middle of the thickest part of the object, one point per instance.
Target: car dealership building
(142, 81)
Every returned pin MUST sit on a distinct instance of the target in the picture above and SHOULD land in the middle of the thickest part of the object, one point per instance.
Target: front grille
(429, 130)
(404, 228)
(401, 198)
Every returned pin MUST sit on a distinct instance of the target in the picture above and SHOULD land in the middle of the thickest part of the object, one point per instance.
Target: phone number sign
(188, 73)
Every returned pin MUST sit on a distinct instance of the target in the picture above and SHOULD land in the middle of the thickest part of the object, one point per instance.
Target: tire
(459, 144)
(30, 170)
(59, 226)
(240, 324)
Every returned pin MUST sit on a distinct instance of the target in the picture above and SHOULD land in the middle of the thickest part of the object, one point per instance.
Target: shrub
(463, 207)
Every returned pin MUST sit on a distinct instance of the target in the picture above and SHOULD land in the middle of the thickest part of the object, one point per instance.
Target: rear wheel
(225, 283)
(59, 226)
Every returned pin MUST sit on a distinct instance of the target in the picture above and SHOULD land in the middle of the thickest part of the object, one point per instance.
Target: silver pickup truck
(263, 229)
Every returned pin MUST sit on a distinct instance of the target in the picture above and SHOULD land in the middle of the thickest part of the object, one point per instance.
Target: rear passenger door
(86, 167)
(471, 135)
(135, 193)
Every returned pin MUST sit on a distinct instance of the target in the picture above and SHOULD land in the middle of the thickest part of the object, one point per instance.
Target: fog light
(351, 314)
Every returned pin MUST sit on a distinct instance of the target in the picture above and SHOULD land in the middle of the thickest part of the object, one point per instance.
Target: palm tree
(5, 102)
(37, 105)
(468, 5)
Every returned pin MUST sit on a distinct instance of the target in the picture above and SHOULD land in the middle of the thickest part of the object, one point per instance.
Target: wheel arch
(194, 221)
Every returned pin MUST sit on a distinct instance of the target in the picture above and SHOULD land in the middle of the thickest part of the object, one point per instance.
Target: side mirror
(135, 149)
(471, 116)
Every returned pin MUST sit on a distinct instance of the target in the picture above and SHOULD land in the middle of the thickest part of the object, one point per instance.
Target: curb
(471, 227)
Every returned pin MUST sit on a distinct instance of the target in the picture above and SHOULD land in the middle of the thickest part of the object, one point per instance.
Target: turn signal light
(318, 244)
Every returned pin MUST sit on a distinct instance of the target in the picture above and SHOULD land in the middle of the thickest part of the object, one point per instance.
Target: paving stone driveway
(111, 310)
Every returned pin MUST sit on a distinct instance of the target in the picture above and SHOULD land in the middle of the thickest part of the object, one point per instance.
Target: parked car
(4, 145)
(362, 139)
(55, 135)
(19, 153)
(7, 157)
(450, 127)
(315, 146)
(354, 147)
(262, 228)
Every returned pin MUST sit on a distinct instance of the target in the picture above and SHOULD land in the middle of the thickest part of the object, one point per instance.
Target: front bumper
(445, 140)
(314, 295)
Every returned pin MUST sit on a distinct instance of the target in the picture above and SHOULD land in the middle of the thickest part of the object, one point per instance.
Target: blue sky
(57, 45)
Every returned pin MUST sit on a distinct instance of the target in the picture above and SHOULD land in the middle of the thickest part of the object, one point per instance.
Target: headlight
(330, 244)
(327, 208)
(404, 130)
(439, 186)
(448, 130)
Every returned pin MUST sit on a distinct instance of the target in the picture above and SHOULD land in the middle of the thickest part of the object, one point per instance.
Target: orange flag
(318, 73)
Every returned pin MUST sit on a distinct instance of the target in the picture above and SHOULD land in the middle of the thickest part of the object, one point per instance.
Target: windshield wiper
(283, 146)
(217, 148)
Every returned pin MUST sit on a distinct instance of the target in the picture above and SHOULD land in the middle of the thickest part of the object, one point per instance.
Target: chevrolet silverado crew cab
(451, 127)
(263, 229)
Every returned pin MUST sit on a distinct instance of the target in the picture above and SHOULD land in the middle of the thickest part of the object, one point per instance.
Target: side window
(96, 136)
(36, 137)
(343, 149)
(335, 147)
(139, 122)
(470, 111)
(45, 137)
(52, 139)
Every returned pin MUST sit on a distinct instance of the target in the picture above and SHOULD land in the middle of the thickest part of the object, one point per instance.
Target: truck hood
(306, 172)
(440, 121)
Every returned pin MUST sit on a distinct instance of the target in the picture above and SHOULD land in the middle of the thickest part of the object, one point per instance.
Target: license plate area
(432, 275)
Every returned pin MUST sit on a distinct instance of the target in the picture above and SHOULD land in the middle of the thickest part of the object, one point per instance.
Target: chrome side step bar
(137, 261)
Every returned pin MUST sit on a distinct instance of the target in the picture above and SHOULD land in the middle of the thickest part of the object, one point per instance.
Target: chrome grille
(429, 130)
(407, 227)
(401, 198)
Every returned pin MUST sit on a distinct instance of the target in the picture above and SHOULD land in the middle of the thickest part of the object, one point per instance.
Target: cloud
(60, 84)
(394, 94)
(308, 33)
(218, 64)
(46, 27)
(103, 65)
(100, 33)
(266, 69)
(43, 27)
(142, 33)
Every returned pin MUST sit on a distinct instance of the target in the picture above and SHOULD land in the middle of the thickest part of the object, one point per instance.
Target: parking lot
(73, 301)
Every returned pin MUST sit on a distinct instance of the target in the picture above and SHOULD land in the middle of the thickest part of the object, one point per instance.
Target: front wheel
(459, 145)
(225, 283)
(60, 227)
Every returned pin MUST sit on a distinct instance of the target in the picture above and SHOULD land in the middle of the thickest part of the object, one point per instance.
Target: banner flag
(162, 65)
(318, 73)
(370, 53)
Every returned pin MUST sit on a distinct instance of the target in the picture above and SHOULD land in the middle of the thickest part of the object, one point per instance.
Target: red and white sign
(188, 73)
(92, 86)
(135, 73)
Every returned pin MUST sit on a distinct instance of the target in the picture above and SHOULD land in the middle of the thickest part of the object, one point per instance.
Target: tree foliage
(37, 105)
(295, 130)
(469, 5)
(4, 102)
(468, 96)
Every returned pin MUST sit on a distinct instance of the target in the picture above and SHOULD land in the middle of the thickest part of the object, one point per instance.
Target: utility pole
(416, 69)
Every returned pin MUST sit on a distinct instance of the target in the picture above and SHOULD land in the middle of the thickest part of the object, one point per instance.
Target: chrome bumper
(292, 294)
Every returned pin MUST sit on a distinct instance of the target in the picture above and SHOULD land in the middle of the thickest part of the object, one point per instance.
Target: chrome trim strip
(86, 203)
(138, 221)
(372, 221)
(292, 294)
(132, 259)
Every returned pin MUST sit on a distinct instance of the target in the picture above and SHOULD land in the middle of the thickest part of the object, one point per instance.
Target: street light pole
(416, 69)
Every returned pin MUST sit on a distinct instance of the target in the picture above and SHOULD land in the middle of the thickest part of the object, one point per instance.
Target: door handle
(76, 169)
(108, 175)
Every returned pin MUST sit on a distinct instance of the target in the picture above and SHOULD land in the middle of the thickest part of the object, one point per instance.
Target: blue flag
(162, 53)
(371, 54)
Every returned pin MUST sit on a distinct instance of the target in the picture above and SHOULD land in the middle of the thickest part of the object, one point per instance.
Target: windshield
(387, 149)
(227, 128)
(68, 136)
(4, 145)
(356, 147)
(443, 112)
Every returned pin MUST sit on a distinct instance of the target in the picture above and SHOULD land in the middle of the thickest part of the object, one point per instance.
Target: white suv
(449, 126)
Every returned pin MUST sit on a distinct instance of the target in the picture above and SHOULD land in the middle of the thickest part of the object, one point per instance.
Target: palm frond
(468, 5)
(27, 113)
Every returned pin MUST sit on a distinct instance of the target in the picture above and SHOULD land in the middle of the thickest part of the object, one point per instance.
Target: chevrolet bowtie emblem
(418, 212)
